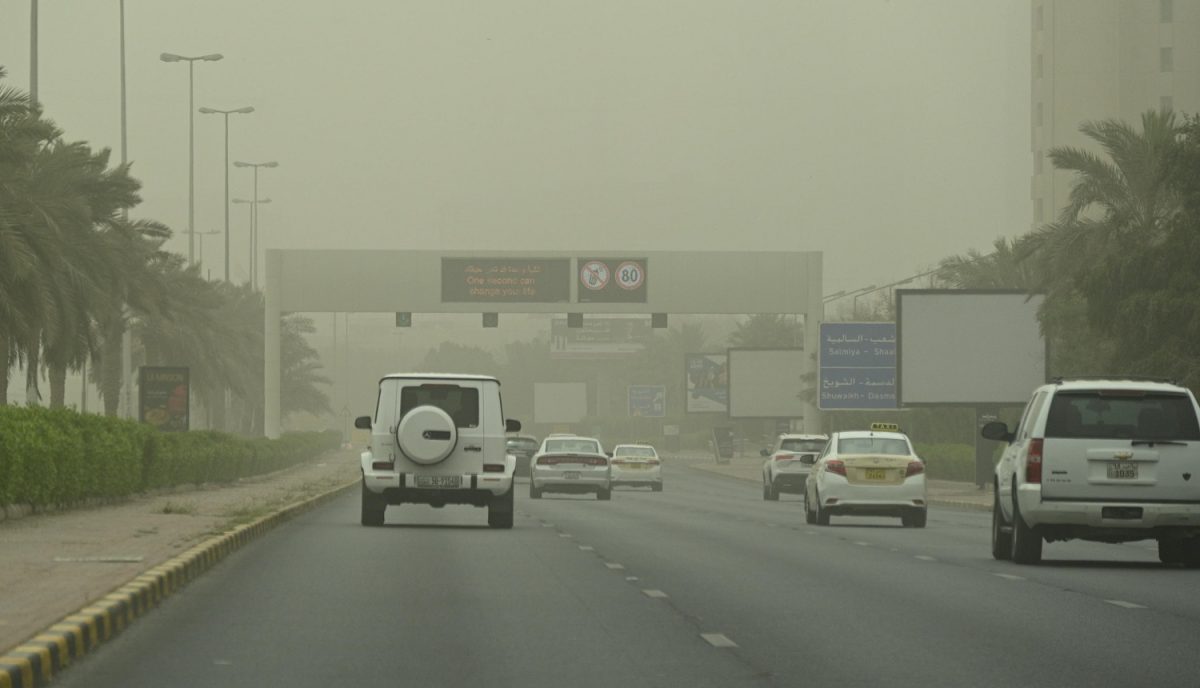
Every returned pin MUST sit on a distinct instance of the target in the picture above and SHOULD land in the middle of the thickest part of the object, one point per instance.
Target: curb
(33, 663)
(933, 501)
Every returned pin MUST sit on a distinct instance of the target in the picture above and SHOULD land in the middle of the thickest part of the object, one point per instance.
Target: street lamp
(171, 57)
(201, 235)
(861, 292)
(254, 215)
(253, 234)
(213, 111)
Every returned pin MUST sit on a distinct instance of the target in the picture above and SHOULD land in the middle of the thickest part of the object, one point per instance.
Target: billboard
(599, 337)
(706, 381)
(858, 366)
(559, 402)
(766, 383)
(612, 280)
(968, 347)
(506, 280)
(647, 401)
(163, 396)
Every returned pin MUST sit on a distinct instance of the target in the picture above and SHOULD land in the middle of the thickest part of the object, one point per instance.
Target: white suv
(1108, 460)
(438, 440)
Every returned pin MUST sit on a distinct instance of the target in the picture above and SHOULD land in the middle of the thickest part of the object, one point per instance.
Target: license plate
(439, 481)
(571, 475)
(875, 473)
(636, 466)
(1122, 471)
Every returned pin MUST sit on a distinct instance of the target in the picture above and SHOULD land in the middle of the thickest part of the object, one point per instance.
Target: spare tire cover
(426, 435)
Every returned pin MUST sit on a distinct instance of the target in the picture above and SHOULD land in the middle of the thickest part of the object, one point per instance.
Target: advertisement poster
(612, 280)
(506, 280)
(163, 398)
(647, 401)
(707, 383)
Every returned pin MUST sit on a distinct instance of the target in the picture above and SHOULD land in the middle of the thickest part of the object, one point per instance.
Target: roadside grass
(186, 508)
(249, 513)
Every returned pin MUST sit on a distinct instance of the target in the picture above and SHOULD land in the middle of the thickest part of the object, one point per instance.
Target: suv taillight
(1033, 461)
(381, 465)
(781, 456)
(836, 467)
(914, 468)
(493, 468)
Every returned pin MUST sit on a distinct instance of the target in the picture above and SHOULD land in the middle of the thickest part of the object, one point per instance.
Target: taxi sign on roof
(885, 427)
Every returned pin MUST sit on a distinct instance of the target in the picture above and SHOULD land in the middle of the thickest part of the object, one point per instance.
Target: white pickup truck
(1107, 460)
(437, 440)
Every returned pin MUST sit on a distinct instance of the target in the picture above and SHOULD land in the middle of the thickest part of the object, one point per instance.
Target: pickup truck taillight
(1033, 462)
(836, 467)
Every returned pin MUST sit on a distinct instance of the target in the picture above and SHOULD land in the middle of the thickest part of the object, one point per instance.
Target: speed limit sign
(630, 275)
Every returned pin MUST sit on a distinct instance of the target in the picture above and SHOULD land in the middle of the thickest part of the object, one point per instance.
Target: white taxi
(872, 472)
(572, 464)
(637, 465)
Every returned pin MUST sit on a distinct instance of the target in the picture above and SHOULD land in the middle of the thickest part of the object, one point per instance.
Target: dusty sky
(887, 134)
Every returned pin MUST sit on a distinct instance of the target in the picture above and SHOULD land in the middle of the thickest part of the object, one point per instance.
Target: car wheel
(604, 494)
(915, 519)
(500, 510)
(1170, 551)
(1026, 541)
(809, 516)
(372, 509)
(772, 492)
(1191, 553)
(534, 493)
(822, 516)
(1001, 532)
(657, 487)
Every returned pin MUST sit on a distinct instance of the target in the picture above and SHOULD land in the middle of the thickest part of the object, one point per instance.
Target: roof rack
(1133, 378)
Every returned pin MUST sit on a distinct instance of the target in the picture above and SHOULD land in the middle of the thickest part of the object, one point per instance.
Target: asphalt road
(701, 585)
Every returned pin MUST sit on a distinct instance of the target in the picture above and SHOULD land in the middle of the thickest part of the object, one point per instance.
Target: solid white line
(924, 557)
(586, 548)
(654, 593)
(1008, 576)
(613, 566)
(718, 640)
(1125, 605)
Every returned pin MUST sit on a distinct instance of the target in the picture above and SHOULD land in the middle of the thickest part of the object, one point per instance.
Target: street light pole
(33, 52)
(170, 57)
(254, 215)
(209, 111)
(201, 235)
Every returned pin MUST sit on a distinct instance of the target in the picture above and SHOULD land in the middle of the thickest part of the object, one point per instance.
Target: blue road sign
(858, 366)
(648, 401)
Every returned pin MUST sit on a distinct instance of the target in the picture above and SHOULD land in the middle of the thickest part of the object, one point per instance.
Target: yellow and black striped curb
(34, 662)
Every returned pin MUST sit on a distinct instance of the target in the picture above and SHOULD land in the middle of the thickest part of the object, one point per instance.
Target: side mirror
(511, 425)
(764, 452)
(997, 430)
(363, 422)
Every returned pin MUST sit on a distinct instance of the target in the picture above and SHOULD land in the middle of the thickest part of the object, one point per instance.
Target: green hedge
(948, 461)
(60, 457)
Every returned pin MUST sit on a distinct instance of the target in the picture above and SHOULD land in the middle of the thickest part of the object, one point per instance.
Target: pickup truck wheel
(1026, 541)
(373, 507)
(604, 494)
(500, 510)
(1001, 532)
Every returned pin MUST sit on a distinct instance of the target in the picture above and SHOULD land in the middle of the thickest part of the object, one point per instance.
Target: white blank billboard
(559, 402)
(968, 347)
(766, 383)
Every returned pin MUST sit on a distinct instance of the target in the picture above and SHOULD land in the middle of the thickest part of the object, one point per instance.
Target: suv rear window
(1122, 415)
(461, 403)
(802, 445)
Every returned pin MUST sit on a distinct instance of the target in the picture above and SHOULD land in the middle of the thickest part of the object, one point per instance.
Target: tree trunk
(58, 386)
(109, 368)
(4, 369)
(216, 410)
(33, 396)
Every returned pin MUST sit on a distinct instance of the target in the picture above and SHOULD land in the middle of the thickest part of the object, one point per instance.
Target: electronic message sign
(506, 280)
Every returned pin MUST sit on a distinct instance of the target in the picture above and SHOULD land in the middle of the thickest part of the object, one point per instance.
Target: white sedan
(638, 465)
(867, 473)
(567, 463)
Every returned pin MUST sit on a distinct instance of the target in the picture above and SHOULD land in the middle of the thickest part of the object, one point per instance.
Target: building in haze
(1096, 59)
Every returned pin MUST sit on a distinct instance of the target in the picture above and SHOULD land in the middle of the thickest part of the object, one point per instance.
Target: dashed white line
(654, 593)
(1008, 576)
(925, 557)
(1125, 605)
(565, 535)
(718, 640)
(586, 548)
(631, 578)
(614, 566)
(862, 544)
(772, 525)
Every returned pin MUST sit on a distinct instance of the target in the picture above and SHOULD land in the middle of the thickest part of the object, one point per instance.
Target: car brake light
(493, 468)
(784, 457)
(1033, 461)
(836, 467)
(598, 461)
(653, 462)
(381, 465)
(618, 462)
(914, 468)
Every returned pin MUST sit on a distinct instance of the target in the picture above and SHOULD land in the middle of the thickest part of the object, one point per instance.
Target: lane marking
(565, 535)
(924, 557)
(654, 593)
(1008, 576)
(1125, 605)
(772, 525)
(718, 640)
(614, 567)
(862, 544)
(631, 578)
(547, 525)
(586, 548)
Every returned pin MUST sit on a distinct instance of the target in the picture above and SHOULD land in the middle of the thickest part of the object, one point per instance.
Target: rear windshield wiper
(1151, 443)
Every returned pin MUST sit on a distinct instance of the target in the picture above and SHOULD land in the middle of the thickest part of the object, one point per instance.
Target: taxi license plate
(571, 475)
(635, 466)
(453, 481)
(875, 473)
(1122, 471)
